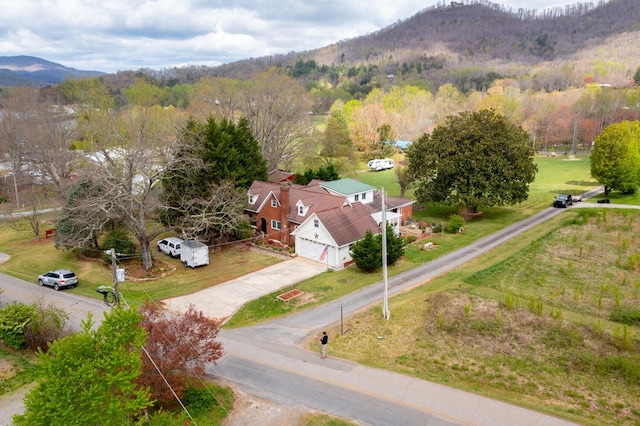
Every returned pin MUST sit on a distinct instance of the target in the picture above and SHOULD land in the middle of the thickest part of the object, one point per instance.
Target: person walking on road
(323, 340)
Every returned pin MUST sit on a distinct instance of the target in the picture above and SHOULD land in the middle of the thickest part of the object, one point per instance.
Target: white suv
(170, 246)
(58, 279)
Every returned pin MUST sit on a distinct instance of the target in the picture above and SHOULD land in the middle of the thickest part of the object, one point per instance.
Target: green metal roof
(347, 186)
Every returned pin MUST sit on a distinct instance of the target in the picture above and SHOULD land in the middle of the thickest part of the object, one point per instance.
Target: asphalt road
(14, 289)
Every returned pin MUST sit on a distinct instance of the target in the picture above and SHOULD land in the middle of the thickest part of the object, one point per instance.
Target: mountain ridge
(24, 70)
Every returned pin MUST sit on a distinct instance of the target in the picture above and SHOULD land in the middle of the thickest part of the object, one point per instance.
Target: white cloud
(111, 35)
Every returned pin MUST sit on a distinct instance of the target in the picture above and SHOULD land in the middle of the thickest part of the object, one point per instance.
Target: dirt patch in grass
(7, 370)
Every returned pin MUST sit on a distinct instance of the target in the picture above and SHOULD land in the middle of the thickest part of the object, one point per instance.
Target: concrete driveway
(223, 300)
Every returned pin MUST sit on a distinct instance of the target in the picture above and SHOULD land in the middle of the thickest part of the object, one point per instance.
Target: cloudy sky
(112, 35)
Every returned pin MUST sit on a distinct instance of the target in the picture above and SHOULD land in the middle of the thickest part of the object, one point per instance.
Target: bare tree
(276, 107)
(36, 134)
(216, 97)
(129, 151)
(16, 124)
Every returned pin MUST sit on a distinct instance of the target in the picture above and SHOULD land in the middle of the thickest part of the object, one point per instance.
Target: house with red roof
(322, 219)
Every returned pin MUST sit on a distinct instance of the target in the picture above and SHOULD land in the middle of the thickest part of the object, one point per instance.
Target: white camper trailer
(381, 164)
(194, 253)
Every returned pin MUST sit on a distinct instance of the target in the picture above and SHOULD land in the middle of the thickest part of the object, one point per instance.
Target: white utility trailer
(194, 253)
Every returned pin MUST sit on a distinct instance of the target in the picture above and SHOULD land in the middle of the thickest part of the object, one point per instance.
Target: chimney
(284, 213)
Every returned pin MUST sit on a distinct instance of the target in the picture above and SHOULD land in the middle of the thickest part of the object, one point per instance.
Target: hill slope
(440, 42)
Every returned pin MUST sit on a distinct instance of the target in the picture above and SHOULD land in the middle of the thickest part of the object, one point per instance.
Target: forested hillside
(469, 44)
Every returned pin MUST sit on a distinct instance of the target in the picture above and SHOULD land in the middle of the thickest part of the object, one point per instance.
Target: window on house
(316, 223)
(274, 203)
(364, 195)
(275, 224)
(300, 210)
(356, 197)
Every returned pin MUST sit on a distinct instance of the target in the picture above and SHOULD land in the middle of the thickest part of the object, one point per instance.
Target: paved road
(292, 330)
(14, 289)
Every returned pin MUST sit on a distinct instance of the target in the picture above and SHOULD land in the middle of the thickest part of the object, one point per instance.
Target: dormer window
(301, 208)
(252, 198)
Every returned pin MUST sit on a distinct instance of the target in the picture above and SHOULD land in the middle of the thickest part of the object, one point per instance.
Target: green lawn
(30, 257)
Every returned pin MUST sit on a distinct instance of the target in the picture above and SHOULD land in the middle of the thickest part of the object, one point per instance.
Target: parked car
(563, 200)
(58, 279)
(170, 246)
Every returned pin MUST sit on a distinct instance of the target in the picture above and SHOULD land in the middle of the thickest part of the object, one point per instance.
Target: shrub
(454, 223)
(198, 400)
(625, 314)
(47, 324)
(31, 326)
(409, 239)
(118, 239)
(14, 320)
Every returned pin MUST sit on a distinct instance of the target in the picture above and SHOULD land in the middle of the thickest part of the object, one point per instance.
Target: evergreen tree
(82, 220)
(367, 253)
(395, 246)
(336, 140)
(327, 174)
(203, 188)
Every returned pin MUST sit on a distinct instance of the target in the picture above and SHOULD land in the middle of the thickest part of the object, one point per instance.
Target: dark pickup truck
(563, 200)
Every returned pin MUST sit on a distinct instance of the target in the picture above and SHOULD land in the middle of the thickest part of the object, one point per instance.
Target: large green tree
(615, 159)
(89, 378)
(203, 187)
(474, 160)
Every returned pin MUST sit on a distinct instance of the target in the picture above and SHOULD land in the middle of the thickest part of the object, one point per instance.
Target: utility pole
(114, 271)
(385, 301)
